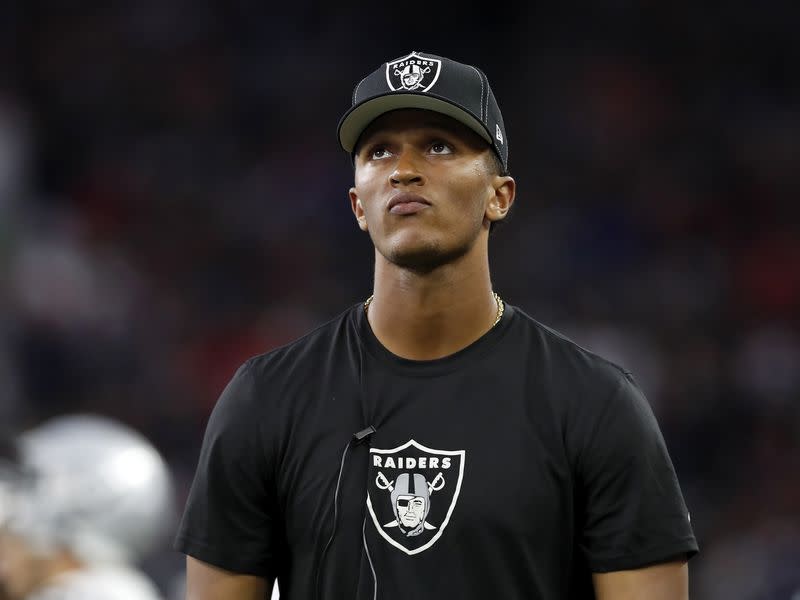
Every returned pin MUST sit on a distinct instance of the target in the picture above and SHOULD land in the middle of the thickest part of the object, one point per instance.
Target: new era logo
(498, 134)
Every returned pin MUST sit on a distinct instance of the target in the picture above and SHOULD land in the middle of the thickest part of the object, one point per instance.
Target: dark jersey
(514, 468)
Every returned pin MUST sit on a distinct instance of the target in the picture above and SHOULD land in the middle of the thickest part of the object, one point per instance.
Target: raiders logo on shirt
(411, 493)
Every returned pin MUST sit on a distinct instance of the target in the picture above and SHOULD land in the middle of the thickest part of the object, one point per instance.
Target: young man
(88, 498)
(433, 441)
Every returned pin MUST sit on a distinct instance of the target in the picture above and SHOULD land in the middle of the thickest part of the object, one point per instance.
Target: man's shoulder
(309, 349)
(560, 353)
(584, 383)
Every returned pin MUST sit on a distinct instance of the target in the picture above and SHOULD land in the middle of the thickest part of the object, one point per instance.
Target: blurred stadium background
(173, 200)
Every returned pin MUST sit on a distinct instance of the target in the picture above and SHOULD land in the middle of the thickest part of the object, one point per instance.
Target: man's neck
(431, 315)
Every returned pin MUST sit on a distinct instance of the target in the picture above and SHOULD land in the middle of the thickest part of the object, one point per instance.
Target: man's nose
(406, 169)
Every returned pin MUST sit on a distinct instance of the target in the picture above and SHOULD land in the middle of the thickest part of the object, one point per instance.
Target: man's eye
(441, 148)
(378, 153)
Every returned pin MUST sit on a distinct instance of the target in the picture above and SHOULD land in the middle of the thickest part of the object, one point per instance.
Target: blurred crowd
(173, 200)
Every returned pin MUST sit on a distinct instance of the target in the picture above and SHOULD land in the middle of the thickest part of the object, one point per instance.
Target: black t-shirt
(511, 469)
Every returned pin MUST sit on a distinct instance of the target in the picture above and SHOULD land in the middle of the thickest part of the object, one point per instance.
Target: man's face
(442, 170)
(410, 510)
(20, 569)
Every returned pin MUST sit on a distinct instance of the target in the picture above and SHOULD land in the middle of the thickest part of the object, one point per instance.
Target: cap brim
(356, 120)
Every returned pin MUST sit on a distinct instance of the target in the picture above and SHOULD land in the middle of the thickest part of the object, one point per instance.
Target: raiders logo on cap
(413, 73)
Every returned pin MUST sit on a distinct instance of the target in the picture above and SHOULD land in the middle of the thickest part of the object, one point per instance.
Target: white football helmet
(99, 489)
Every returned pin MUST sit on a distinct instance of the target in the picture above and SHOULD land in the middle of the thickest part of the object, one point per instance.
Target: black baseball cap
(429, 82)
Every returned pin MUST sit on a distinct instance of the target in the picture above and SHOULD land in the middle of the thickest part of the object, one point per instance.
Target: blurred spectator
(91, 497)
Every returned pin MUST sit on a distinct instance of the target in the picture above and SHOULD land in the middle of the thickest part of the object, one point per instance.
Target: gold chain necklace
(501, 306)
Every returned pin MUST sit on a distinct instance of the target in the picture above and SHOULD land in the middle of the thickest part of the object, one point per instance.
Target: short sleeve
(230, 519)
(633, 510)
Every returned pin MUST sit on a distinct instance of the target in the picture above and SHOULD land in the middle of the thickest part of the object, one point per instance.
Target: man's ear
(358, 209)
(505, 189)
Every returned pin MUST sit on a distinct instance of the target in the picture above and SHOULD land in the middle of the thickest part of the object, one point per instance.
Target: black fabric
(542, 463)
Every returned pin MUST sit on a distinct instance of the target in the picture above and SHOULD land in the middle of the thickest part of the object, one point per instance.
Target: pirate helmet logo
(412, 493)
(413, 73)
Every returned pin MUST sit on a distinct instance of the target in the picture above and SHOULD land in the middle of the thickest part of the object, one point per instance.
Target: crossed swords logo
(433, 486)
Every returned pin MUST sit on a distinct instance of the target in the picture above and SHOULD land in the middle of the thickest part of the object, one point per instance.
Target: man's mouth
(406, 203)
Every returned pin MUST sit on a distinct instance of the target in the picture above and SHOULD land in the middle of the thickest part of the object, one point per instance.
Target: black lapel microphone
(363, 435)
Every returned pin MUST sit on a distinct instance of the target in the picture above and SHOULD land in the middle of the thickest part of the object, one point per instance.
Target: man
(91, 497)
(546, 473)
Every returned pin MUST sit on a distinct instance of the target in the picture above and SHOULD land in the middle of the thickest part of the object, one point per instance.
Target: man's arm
(666, 581)
(207, 582)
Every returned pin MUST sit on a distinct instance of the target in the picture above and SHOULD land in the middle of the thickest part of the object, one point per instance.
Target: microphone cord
(335, 520)
(356, 439)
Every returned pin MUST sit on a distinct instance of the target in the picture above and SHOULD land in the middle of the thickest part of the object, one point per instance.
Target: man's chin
(422, 257)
